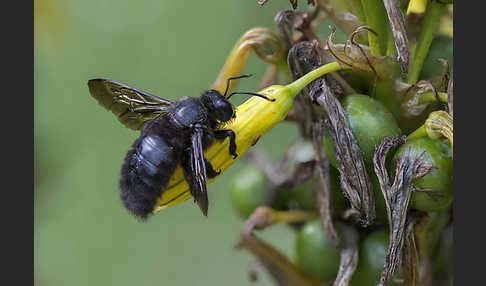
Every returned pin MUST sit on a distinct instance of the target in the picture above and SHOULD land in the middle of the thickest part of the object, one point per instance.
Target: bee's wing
(195, 171)
(131, 106)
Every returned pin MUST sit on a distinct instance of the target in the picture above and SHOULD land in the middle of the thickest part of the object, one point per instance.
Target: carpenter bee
(171, 133)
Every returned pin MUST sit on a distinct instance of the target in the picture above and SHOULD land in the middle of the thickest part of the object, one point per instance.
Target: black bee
(171, 132)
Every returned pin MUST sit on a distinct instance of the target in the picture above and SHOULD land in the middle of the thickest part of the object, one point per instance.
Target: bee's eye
(224, 112)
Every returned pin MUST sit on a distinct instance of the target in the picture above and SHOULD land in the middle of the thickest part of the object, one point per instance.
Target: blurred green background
(83, 235)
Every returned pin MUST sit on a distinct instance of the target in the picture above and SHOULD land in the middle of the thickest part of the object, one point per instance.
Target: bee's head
(218, 106)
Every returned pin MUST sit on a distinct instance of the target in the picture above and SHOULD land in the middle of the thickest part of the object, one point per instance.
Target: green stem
(419, 133)
(309, 77)
(385, 93)
(390, 48)
(358, 7)
(428, 97)
(433, 13)
(376, 19)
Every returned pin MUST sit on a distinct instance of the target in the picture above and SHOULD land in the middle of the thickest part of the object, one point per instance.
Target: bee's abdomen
(146, 171)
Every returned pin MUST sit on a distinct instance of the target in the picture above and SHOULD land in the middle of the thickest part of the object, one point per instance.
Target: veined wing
(131, 106)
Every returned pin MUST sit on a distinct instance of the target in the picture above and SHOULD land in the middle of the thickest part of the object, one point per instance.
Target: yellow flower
(254, 118)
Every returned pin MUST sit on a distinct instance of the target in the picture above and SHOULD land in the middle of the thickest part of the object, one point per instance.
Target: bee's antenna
(232, 78)
(251, 93)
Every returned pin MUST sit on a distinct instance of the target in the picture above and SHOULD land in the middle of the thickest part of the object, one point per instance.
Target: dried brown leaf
(397, 25)
(359, 58)
(397, 198)
(410, 106)
(355, 181)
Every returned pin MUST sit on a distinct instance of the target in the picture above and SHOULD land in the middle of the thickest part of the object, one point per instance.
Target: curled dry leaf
(397, 25)
(358, 57)
(411, 104)
(397, 198)
(355, 181)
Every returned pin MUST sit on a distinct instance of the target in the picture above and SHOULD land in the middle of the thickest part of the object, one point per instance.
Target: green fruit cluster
(369, 120)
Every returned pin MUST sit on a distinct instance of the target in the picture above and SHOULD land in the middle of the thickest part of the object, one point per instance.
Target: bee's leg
(210, 170)
(222, 134)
